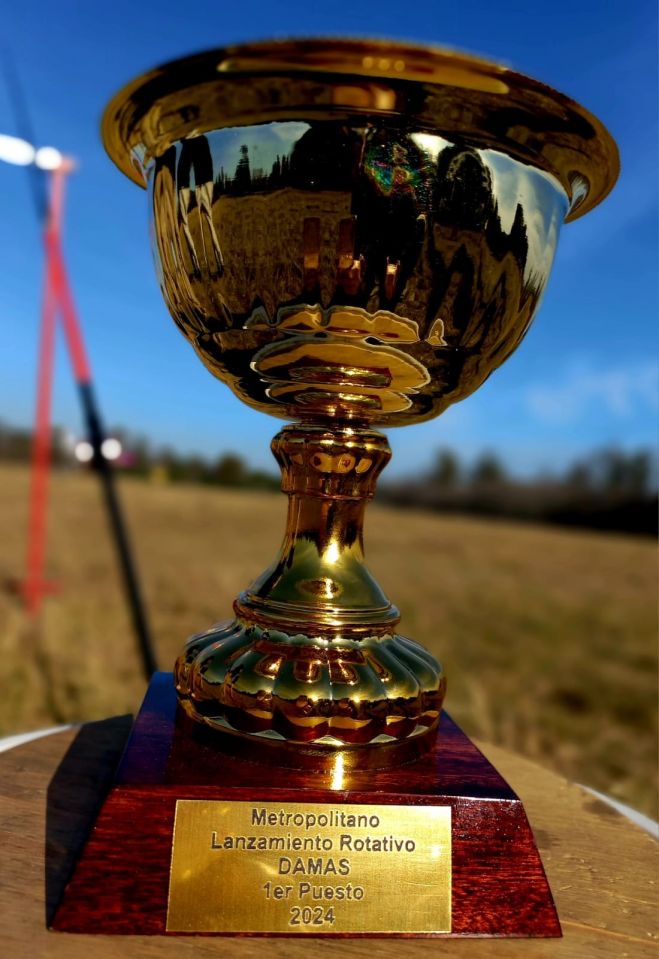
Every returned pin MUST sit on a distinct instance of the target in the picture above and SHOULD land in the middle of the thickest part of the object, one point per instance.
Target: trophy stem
(312, 656)
(319, 580)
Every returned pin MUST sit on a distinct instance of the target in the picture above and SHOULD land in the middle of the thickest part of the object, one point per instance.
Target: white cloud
(619, 392)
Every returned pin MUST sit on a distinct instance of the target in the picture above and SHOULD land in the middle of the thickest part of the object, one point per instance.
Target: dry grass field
(548, 636)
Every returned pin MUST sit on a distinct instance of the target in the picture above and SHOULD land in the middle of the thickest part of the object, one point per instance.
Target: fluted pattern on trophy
(308, 690)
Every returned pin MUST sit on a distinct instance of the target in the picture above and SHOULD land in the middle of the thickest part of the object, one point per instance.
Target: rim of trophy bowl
(441, 91)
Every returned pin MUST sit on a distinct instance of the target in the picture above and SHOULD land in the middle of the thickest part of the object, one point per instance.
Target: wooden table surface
(603, 870)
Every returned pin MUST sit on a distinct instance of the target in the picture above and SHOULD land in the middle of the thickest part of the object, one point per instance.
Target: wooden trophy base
(121, 882)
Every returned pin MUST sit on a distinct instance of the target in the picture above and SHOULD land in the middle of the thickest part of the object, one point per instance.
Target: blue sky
(585, 376)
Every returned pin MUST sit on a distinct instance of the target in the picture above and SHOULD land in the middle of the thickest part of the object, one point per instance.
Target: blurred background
(525, 557)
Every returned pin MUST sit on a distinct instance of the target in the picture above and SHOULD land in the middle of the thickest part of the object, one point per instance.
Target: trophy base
(495, 884)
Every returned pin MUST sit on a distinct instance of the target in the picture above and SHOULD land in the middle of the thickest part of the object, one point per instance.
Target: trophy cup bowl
(352, 235)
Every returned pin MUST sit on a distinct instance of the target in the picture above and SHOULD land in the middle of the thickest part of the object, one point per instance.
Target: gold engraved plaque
(309, 868)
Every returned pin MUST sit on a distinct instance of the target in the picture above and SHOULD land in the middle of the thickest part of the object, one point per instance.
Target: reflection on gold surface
(379, 288)
(350, 234)
(432, 256)
(436, 90)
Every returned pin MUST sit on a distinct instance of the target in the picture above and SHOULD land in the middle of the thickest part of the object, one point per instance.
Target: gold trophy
(352, 235)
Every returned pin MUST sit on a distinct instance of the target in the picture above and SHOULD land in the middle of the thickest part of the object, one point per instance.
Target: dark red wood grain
(120, 884)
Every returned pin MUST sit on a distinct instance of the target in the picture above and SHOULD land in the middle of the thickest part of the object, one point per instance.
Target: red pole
(64, 296)
(58, 296)
(35, 585)
(101, 464)
(68, 313)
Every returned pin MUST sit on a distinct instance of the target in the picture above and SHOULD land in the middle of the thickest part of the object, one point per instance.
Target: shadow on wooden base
(120, 883)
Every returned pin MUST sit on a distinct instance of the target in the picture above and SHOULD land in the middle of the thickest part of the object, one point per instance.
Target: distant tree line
(609, 489)
(227, 469)
(16, 445)
(140, 458)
